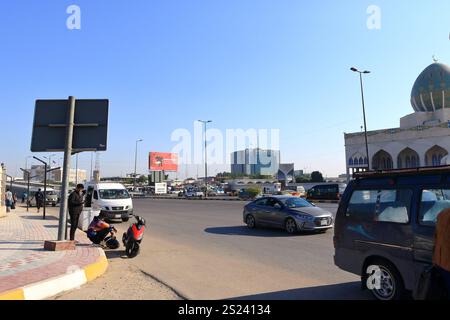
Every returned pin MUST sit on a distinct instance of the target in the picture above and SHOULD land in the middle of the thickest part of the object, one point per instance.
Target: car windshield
(51, 193)
(296, 203)
(114, 194)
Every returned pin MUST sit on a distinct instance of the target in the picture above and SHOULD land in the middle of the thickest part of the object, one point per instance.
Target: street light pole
(45, 185)
(26, 162)
(76, 169)
(135, 162)
(364, 112)
(205, 122)
(28, 186)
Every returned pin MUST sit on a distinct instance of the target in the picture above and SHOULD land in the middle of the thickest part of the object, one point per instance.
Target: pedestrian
(39, 197)
(441, 256)
(8, 200)
(75, 206)
(23, 197)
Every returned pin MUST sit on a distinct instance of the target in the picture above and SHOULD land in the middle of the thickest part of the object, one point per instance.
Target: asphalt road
(202, 250)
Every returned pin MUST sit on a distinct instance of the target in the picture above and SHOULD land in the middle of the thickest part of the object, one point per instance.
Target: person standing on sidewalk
(441, 256)
(75, 208)
(39, 197)
(8, 200)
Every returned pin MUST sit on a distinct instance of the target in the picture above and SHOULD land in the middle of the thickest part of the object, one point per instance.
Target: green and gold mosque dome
(431, 91)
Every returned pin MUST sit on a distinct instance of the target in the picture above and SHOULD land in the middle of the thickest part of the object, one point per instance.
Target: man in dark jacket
(75, 208)
(40, 198)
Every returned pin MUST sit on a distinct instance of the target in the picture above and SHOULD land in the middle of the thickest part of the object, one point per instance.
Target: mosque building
(423, 138)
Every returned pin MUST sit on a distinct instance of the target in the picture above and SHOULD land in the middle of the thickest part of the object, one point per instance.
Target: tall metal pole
(364, 112)
(76, 169)
(365, 123)
(66, 168)
(135, 162)
(206, 166)
(28, 190)
(90, 174)
(45, 185)
(45, 190)
(205, 122)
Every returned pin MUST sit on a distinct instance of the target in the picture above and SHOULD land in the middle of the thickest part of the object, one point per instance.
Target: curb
(56, 285)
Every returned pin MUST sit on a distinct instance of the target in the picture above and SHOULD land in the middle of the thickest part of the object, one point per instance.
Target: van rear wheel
(389, 285)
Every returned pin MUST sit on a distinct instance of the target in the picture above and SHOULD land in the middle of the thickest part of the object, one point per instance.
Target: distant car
(193, 194)
(216, 192)
(289, 213)
(245, 195)
(332, 191)
(302, 191)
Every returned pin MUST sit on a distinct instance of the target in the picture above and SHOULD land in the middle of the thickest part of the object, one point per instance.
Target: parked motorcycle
(133, 237)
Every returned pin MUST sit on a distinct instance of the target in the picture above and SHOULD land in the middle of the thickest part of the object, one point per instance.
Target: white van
(112, 199)
(51, 198)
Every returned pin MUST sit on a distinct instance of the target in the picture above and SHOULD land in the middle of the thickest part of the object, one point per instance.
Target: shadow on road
(39, 217)
(244, 231)
(342, 291)
(114, 254)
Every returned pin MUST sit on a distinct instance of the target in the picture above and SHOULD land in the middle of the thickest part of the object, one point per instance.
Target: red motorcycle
(133, 237)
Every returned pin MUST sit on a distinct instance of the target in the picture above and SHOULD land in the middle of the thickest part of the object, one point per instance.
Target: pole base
(59, 245)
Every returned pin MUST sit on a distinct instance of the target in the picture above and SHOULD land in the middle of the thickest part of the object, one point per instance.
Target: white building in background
(423, 138)
(37, 172)
(57, 175)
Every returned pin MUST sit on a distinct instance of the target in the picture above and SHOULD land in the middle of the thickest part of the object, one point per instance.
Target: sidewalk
(28, 272)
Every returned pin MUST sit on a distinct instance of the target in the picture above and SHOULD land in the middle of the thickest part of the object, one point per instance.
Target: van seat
(430, 210)
(393, 212)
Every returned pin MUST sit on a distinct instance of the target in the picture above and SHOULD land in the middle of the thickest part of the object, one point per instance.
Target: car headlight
(306, 217)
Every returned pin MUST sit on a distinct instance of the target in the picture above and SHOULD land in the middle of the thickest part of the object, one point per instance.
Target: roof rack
(403, 172)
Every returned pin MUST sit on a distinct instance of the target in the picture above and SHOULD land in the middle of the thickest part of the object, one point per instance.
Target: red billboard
(163, 161)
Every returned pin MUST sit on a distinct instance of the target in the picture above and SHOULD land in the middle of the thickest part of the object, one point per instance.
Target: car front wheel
(290, 226)
(250, 221)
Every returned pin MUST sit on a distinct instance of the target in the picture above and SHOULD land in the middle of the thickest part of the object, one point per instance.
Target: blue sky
(244, 64)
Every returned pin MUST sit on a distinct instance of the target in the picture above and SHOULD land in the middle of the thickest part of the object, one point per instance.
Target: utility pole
(205, 122)
(135, 162)
(66, 167)
(364, 112)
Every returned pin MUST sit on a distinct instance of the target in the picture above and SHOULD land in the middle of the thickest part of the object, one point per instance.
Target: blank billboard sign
(90, 131)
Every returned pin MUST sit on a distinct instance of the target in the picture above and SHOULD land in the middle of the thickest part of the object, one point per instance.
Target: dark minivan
(331, 191)
(384, 228)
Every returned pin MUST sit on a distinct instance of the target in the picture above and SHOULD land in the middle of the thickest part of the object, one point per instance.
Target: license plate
(324, 222)
(118, 216)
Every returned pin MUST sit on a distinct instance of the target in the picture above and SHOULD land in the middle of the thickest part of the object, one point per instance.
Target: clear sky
(243, 64)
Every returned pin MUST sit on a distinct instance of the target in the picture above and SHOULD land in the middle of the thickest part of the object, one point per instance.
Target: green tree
(316, 176)
(253, 192)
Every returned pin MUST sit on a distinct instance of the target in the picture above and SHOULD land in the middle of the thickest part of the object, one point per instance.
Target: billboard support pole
(62, 228)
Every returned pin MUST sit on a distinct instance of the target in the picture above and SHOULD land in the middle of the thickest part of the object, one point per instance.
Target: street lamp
(364, 111)
(45, 184)
(135, 161)
(26, 161)
(205, 122)
(49, 158)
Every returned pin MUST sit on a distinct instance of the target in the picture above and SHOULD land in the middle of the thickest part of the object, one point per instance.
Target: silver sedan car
(289, 213)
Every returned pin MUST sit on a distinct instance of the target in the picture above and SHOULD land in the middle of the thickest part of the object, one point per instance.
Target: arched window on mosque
(350, 162)
(361, 161)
